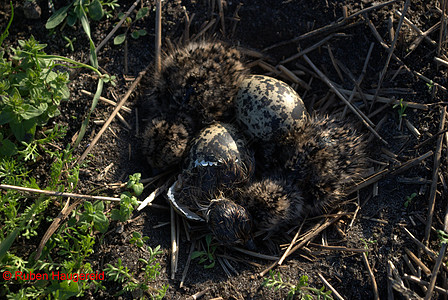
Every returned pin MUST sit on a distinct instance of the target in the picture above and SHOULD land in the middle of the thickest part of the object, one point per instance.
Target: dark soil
(260, 24)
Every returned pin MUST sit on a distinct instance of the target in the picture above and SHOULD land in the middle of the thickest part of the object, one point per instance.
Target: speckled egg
(219, 160)
(268, 107)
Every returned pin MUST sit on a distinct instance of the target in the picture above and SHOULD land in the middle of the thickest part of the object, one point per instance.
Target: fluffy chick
(230, 223)
(273, 204)
(200, 79)
(322, 158)
(166, 140)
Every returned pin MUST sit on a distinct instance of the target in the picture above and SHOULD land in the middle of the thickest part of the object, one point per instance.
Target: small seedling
(409, 199)
(302, 289)
(134, 184)
(208, 255)
(127, 205)
(151, 269)
(135, 34)
(443, 236)
(430, 86)
(69, 43)
(401, 109)
(138, 240)
(366, 244)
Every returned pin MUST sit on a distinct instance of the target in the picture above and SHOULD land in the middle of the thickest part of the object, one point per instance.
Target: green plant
(302, 289)
(69, 43)
(134, 184)
(128, 202)
(78, 10)
(121, 274)
(401, 109)
(135, 34)
(6, 31)
(30, 90)
(94, 215)
(430, 86)
(111, 4)
(367, 243)
(443, 236)
(138, 239)
(409, 199)
(208, 255)
(127, 206)
(73, 241)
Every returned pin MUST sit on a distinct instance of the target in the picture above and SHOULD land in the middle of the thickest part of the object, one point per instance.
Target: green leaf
(83, 129)
(117, 216)
(142, 32)
(30, 111)
(6, 117)
(135, 35)
(20, 130)
(88, 207)
(96, 10)
(71, 19)
(7, 148)
(119, 39)
(58, 17)
(7, 242)
(141, 13)
(138, 188)
(6, 32)
(84, 22)
(100, 222)
(93, 57)
(197, 254)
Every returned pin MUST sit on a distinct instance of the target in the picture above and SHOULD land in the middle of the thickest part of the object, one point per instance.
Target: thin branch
(158, 41)
(112, 116)
(372, 277)
(125, 108)
(331, 27)
(391, 51)
(432, 195)
(330, 287)
(435, 270)
(57, 194)
(338, 93)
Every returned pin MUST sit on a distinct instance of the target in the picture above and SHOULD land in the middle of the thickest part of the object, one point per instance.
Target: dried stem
(338, 93)
(432, 195)
(112, 116)
(158, 41)
(391, 51)
(124, 108)
(435, 270)
(57, 194)
(330, 287)
(372, 277)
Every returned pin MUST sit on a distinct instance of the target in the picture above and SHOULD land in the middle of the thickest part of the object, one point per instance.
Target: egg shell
(268, 106)
(219, 159)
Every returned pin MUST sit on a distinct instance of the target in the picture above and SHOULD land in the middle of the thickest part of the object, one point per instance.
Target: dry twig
(113, 114)
(372, 277)
(391, 51)
(432, 195)
(338, 93)
(435, 270)
(330, 287)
